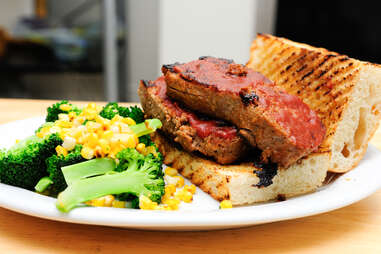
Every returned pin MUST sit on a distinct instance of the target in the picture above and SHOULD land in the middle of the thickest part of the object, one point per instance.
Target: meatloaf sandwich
(216, 153)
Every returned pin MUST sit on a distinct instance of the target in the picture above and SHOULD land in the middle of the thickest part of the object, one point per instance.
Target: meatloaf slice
(280, 124)
(212, 138)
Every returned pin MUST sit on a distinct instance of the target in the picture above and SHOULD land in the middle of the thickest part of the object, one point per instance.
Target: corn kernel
(107, 134)
(226, 204)
(63, 117)
(55, 129)
(98, 202)
(72, 115)
(146, 203)
(127, 140)
(140, 147)
(162, 207)
(69, 143)
(92, 126)
(89, 114)
(117, 118)
(64, 133)
(98, 152)
(114, 128)
(118, 204)
(87, 153)
(104, 144)
(79, 120)
(92, 140)
(180, 181)
(61, 151)
(65, 107)
(173, 203)
(184, 195)
(108, 200)
(170, 189)
(129, 121)
(170, 171)
(124, 128)
(165, 198)
(191, 188)
(99, 119)
(64, 124)
(170, 180)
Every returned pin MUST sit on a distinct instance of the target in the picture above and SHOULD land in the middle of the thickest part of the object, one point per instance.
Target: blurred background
(99, 49)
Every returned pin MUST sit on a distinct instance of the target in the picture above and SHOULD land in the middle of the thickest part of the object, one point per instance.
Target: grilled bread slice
(346, 93)
(239, 183)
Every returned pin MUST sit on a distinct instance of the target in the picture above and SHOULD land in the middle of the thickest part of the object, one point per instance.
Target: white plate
(203, 212)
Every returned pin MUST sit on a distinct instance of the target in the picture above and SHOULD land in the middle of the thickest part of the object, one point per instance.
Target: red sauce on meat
(204, 128)
(295, 117)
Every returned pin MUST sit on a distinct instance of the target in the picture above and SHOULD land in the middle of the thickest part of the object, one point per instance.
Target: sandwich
(272, 129)
(264, 157)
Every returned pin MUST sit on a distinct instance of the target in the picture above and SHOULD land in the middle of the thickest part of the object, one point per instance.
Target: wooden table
(353, 229)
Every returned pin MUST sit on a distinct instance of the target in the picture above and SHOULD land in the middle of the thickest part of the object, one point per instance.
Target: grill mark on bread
(306, 75)
(301, 68)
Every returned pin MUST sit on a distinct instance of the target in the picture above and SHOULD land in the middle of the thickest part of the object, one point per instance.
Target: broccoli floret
(23, 165)
(54, 165)
(112, 109)
(55, 110)
(136, 175)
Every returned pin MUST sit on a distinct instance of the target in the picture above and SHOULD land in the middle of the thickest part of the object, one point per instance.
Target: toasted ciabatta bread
(237, 183)
(346, 93)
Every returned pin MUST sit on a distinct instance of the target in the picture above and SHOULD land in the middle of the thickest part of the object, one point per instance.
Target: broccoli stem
(43, 184)
(147, 127)
(130, 181)
(89, 168)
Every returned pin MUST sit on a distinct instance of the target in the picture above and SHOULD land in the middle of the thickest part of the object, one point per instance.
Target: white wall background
(222, 28)
(11, 10)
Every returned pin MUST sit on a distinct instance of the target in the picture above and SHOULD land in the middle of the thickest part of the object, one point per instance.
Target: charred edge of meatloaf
(229, 61)
(170, 66)
(148, 83)
(248, 98)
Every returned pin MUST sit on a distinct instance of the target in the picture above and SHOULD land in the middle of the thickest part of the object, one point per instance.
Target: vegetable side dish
(98, 156)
